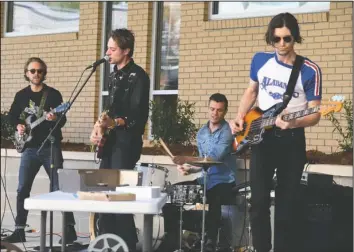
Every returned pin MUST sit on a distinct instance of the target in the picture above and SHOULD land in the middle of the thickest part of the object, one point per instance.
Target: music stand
(205, 164)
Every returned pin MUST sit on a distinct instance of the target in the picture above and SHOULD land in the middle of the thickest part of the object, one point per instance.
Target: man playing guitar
(129, 87)
(283, 147)
(34, 100)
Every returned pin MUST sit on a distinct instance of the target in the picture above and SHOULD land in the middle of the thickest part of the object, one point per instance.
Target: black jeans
(284, 151)
(121, 151)
(29, 167)
(216, 197)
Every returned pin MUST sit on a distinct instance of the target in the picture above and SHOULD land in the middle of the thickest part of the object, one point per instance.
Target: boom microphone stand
(52, 140)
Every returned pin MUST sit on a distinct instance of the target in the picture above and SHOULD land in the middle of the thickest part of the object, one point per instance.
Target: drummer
(214, 141)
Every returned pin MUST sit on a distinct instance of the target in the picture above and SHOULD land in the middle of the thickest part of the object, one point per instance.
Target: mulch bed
(314, 157)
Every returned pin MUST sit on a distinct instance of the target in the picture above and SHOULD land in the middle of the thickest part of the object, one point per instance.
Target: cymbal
(202, 162)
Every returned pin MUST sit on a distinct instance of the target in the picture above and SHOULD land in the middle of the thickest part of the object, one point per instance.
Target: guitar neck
(287, 117)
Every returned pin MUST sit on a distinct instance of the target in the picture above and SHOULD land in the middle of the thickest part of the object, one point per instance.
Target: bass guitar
(21, 141)
(256, 121)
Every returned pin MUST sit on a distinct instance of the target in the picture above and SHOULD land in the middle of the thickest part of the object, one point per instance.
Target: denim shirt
(218, 146)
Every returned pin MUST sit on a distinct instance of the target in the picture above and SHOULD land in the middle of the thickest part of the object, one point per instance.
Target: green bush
(7, 129)
(173, 122)
(346, 132)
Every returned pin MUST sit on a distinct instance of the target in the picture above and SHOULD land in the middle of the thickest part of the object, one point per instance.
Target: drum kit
(188, 196)
(192, 195)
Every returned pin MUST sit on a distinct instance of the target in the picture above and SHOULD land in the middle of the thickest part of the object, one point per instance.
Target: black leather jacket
(129, 97)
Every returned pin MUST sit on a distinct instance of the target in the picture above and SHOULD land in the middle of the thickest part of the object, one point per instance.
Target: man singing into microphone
(128, 109)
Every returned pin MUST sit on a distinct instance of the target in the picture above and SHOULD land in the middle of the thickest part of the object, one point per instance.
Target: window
(169, 55)
(165, 88)
(228, 10)
(33, 18)
(117, 18)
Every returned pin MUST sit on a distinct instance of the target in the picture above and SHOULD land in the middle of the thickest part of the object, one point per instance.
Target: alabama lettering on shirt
(273, 76)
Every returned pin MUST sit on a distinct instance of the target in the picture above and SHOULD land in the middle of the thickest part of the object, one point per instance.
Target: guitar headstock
(334, 105)
(61, 107)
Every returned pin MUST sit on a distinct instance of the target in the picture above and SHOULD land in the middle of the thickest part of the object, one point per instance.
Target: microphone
(98, 62)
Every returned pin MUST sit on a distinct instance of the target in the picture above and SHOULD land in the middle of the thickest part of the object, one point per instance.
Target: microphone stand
(51, 138)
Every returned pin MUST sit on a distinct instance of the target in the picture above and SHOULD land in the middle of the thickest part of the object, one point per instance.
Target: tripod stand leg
(63, 240)
(180, 226)
(203, 222)
(43, 230)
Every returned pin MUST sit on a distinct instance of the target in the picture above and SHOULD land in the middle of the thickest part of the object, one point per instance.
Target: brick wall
(215, 57)
(66, 55)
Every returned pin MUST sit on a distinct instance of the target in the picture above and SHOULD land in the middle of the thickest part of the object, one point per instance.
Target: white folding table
(69, 202)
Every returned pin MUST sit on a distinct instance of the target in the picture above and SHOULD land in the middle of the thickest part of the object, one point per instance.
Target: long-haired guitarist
(29, 105)
(283, 147)
(127, 114)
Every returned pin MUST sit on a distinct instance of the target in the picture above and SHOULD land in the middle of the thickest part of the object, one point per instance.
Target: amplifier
(318, 180)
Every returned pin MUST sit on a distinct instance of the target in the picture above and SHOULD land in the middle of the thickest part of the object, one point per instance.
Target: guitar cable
(3, 214)
(3, 182)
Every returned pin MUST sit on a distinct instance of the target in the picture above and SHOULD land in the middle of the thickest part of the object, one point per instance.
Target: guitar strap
(41, 105)
(299, 60)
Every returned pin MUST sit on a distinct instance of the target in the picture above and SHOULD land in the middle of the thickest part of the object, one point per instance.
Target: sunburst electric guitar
(104, 132)
(256, 121)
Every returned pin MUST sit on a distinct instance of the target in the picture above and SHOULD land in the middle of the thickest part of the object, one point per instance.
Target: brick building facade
(214, 56)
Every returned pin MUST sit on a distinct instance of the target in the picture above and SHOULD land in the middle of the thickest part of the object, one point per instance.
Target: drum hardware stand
(249, 248)
(205, 167)
(205, 164)
(180, 227)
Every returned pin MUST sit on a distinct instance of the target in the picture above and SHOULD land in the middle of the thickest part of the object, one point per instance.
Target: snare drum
(185, 194)
(153, 175)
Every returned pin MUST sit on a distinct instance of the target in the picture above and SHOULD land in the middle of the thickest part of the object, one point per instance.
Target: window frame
(219, 16)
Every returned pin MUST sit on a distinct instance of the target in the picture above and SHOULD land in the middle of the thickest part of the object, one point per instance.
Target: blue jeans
(29, 167)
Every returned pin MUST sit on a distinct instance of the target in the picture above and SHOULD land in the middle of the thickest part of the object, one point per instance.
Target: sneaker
(70, 235)
(17, 236)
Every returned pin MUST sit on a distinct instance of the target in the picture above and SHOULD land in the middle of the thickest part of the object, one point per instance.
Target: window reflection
(43, 17)
(170, 46)
(119, 15)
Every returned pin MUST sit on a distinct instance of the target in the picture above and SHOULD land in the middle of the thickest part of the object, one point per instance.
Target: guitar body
(21, 141)
(32, 122)
(104, 132)
(252, 127)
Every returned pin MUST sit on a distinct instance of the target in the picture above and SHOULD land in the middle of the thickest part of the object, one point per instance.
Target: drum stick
(166, 148)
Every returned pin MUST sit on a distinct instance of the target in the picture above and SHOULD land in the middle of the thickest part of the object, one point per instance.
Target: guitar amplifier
(73, 180)
(318, 180)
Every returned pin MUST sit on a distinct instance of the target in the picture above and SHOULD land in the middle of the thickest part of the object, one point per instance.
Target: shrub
(7, 129)
(173, 122)
(346, 132)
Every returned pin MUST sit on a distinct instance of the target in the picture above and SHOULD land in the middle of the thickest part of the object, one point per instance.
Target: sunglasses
(286, 39)
(33, 71)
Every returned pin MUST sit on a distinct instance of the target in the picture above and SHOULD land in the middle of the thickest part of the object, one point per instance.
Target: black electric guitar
(21, 141)
(257, 121)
